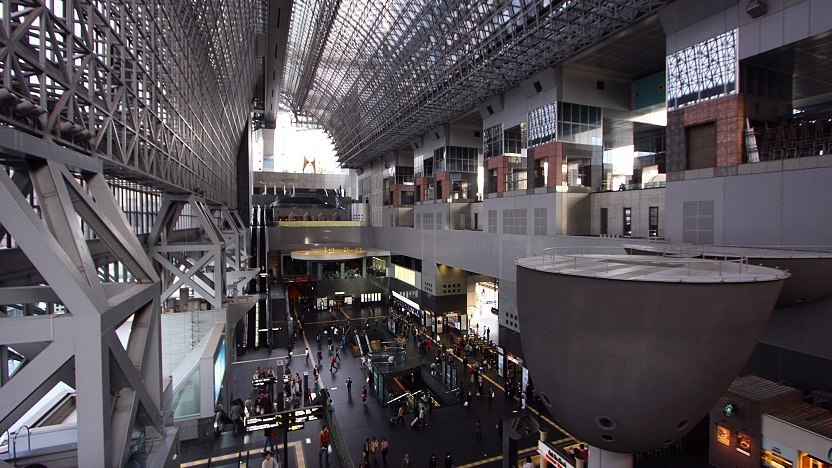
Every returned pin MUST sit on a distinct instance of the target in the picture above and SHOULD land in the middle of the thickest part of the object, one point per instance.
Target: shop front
(797, 436)
(481, 316)
(510, 367)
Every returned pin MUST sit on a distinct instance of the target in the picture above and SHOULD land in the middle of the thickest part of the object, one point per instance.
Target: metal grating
(160, 91)
(377, 74)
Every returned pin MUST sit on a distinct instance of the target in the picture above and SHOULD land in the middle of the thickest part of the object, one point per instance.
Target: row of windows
(456, 159)
(627, 221)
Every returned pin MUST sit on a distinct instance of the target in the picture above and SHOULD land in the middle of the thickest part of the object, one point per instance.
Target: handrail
(28, 441)
(679, 262)
(338, 439)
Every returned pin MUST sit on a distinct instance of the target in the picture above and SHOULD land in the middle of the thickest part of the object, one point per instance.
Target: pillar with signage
(736, 436)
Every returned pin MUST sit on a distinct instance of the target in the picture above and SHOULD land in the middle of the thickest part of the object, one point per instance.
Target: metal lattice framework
(119, 386)
(377, 74)
(160, 91)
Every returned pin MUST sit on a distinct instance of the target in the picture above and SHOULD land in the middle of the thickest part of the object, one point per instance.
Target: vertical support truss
(199, 264)
(159, 91)
(233, 232)
(118, 388)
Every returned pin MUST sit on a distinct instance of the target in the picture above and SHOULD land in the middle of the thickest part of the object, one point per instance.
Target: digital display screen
(219, 369)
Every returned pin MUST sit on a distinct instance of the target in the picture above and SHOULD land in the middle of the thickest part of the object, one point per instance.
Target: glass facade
(543, 124)
(514, 140)
(492, 141)
(457, 159)
(579, 124)
(423, 167)
(703, 71)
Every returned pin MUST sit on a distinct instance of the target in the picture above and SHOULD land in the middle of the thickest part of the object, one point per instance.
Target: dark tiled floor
(449, 429)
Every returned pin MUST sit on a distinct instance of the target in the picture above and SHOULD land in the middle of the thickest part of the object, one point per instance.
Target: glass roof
(376, 74)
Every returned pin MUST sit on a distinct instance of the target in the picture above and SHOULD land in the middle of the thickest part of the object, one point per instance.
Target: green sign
(830, 454)
(728, 410)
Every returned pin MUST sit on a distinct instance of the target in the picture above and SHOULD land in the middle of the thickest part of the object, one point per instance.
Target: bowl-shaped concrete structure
(811, 271)
(630, 352)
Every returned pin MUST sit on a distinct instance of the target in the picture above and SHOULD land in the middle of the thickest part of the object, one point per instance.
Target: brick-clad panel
(727, 113)
(676, 150)
(445, 178)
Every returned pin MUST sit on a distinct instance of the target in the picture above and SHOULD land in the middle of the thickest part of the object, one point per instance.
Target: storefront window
(723, 436)
(775, 461)
(744, 444)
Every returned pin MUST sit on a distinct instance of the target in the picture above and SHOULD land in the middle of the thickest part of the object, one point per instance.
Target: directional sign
(263, 381)
(293, 418)
(295, 427)
(264, 421)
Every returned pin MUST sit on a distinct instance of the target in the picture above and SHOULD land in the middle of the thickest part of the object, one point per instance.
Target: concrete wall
(581, 87)
(770, 203)
(518, 101)
(688, 22)
(182, 332)
(465, 136)
(639, 200)
(306, 181)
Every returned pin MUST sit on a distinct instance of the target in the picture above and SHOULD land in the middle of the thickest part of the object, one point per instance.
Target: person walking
(478, 435)
(449, 461)
(406, 461)
(374, 451)
(237, 416)
(385, 446)
(331, 364)
(349, 386)
(307, 354)
(400, 415)
(364, 395)
(269, 462)
(365, 449)
(528, 463)
(324, 439)
(268, 443)
(433, 462)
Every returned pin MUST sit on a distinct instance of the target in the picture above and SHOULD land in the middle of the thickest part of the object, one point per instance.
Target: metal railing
(338, 439)
(683, 265)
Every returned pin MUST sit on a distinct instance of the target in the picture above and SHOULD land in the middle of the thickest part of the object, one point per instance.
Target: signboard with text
(295, 419)
(552, 456)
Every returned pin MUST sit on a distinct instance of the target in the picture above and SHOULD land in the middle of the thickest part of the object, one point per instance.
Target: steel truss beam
(199, 264)
(389, 71)
(118, 389)
(159, 92)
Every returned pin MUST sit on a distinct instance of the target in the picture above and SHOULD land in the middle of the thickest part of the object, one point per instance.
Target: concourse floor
(449, 429)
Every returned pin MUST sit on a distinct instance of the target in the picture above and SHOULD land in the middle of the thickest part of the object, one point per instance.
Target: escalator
(363, 343)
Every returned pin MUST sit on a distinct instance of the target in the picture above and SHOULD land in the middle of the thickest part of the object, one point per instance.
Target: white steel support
(200, 263)
(118, 388)
(234, 234)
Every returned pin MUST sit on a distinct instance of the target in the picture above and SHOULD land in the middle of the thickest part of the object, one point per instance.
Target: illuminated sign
(829, 455)
(553, 457)
(263, 380)
(302, 415)
(219, 369)
(728, 410)
(295, 419)
(744, 444)
(723, 436)
(264, 421)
